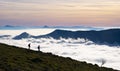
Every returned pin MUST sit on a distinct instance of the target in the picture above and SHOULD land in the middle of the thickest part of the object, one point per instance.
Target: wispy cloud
(78, 11)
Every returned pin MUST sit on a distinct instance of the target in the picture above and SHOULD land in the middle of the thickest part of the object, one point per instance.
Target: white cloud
(76, 49)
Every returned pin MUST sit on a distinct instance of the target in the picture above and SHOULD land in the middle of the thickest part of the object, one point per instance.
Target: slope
(18, 59)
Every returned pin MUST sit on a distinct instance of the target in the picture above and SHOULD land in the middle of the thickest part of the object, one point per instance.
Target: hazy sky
(60, 12)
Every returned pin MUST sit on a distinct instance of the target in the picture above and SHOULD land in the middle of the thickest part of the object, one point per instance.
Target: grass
(18, 59)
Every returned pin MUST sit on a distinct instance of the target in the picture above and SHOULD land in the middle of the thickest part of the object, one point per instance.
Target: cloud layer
(77, 49)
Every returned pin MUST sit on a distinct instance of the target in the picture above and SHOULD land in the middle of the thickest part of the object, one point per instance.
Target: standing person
(29, 45)
(38, 47)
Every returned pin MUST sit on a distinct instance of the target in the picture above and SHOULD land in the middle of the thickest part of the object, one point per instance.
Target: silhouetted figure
(29, 45)
(38, 47)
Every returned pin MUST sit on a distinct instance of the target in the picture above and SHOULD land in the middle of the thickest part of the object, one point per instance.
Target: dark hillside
(18, 59)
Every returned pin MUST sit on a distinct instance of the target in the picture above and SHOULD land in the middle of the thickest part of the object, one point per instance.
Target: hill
(23, 35)
(11, 27)
(110, 36)
(18, 59)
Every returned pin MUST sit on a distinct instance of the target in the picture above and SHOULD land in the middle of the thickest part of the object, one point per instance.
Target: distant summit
(45, 26)
(22, 35)
(9, 26)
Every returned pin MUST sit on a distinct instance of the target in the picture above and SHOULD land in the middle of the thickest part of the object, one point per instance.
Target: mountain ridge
(110, 36)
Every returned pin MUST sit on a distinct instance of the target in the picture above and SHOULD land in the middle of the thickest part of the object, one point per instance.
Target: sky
(60, 12)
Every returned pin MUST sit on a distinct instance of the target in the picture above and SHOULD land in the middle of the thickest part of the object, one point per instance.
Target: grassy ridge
(18, 59)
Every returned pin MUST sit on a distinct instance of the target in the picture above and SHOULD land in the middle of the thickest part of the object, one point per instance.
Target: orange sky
(60, 12)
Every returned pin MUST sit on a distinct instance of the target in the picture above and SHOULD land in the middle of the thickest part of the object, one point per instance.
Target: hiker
(38, 47)
(29, 45)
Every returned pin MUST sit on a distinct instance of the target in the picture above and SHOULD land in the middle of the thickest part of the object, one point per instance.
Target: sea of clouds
(77, 49)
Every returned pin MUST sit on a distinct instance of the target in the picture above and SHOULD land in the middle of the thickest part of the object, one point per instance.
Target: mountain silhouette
(110, 36)
(22, 35)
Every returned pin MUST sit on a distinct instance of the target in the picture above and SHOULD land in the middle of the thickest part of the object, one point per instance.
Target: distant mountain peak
(45, 26)
(23, 35)
(8, 26)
